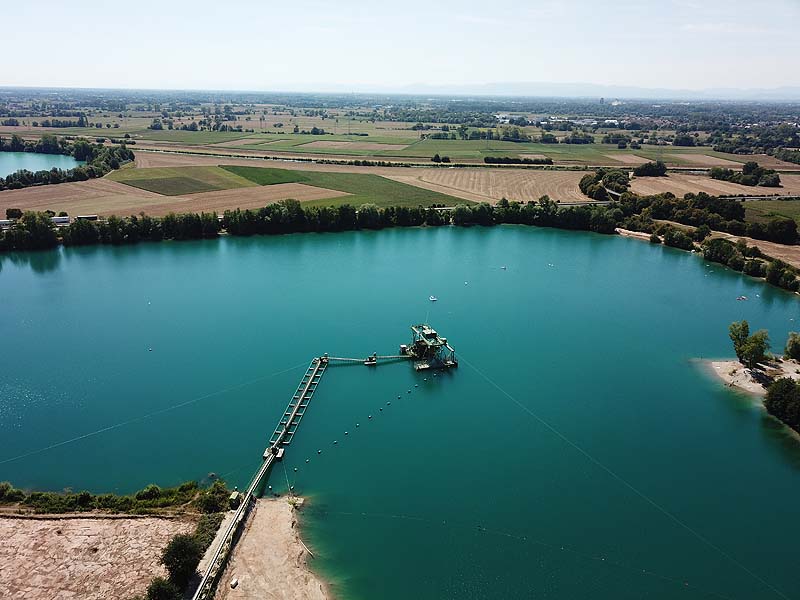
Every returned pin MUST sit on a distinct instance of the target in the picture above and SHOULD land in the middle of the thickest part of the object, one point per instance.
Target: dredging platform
(429, 350)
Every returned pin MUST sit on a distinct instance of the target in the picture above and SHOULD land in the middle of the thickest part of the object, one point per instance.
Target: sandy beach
(269, 561)
(639, 235)
(735, 374)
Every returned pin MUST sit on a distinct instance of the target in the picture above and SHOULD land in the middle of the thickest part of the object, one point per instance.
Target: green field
(176, 181)
(364, 188)
(192, 138)
(764, 210)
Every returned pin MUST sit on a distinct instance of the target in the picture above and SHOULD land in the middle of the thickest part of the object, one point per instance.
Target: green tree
(739, 331)
(162, 589)
(750, 349)
(181, 557)
(783, 402)
(792, 349)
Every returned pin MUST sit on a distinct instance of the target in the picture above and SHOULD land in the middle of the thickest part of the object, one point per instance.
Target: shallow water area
(578, 451)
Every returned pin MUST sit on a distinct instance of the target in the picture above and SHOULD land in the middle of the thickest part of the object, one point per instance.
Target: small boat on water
(433, 298)
(742, 298)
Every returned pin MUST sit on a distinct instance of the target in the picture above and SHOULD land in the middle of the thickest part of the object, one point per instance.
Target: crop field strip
(172, 181)
(364, 188)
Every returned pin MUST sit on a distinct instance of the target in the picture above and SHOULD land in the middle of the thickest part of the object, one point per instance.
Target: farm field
(764, 210)
(491, 185)
(680, 184)
(176, 182)
(363, 188)
(106, 197)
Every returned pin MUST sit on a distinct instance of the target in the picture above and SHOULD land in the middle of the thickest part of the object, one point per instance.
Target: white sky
(363, 45)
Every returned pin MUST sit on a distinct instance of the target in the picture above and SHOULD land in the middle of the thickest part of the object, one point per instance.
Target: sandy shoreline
(735, 374)
(270, 560)
(639, 235)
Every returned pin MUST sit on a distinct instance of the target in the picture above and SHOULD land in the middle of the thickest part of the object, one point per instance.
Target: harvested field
(533, 156)
(704, 160)
(104, 197)
(351, 146)
(627, 159)
(96, 196)
(86, 558)
(237, 143)
(491, 185)
(680, 184)
(270, 561)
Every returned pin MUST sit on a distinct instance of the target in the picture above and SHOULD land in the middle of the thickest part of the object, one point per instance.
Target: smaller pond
(11, 162)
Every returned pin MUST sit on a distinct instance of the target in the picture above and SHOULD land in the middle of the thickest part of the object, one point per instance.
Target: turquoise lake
(10, 162)
(579, 450)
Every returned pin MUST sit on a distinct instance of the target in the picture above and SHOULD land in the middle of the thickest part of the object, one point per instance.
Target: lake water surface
(577, 452)
(10, 162)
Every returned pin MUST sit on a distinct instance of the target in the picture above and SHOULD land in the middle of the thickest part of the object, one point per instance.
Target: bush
(792, 349)
(9, 494)
(215, 498)
(162, 589)
(783, 402)
(151, 492)
(701, 233)
(651, 169)
(654, 239)
(181, 557)
(755, 268)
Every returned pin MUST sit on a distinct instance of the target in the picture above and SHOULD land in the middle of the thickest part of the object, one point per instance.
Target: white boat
(433, 298)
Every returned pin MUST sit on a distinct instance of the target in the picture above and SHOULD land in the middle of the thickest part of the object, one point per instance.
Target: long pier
(282, 435)
(427, 349)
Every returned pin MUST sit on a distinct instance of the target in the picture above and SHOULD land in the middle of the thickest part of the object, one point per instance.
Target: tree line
(516, 160)
(702, 212)
(751, 174)
(718, 213)
(100, 159)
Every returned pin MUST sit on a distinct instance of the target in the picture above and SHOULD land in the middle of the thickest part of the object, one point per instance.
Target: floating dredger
(428, 349)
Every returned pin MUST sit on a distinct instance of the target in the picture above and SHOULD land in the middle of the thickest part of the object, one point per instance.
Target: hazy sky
(363, 45)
